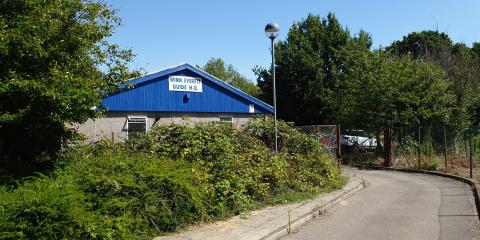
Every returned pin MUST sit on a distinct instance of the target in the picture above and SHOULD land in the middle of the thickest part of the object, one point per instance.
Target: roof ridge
(166, 68)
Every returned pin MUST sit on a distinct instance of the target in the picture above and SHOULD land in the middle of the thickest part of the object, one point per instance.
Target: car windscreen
(357, 133)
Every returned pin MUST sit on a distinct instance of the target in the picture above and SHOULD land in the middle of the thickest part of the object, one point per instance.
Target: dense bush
(42, 208)
(110, 194)
(308, 165)
(173, 176)
(238, 167)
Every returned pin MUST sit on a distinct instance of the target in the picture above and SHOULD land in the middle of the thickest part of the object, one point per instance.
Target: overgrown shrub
(240, 169)
(157, 192)
(308, 165)
(173, 176)
(44, 208)
(104, 193)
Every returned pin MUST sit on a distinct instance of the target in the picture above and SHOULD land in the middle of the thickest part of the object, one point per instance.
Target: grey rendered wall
(113, 125)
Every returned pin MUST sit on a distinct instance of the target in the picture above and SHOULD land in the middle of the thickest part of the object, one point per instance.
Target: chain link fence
(438, 148)
(362, 146)
(433, 147)
(326, 135)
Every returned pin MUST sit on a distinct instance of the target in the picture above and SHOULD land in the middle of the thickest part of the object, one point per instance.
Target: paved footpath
(398, 205)
(270, 222)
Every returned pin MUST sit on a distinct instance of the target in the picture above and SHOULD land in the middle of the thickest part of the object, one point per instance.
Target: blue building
(178, 94)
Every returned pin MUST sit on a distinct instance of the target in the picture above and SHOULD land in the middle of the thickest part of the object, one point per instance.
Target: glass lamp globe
(271, 30)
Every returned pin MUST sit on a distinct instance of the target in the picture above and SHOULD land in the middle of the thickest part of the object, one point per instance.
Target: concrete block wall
(113, 125)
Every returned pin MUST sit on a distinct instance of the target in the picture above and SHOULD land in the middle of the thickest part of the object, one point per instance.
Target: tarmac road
(398, 205)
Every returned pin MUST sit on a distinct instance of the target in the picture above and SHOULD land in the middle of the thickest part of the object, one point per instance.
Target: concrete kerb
(315, 212)
(472, 184)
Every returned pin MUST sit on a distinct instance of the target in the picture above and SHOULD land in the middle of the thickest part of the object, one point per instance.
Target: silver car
(358, 139)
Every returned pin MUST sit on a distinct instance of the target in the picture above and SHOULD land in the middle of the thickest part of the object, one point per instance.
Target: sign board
(184, 84)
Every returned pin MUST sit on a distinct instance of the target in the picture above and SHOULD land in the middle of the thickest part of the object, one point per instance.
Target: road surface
(399, 205)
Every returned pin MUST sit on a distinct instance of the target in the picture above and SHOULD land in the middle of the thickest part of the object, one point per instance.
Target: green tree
(425, 45)
(55, 66)
(227, 73)
(308, 69)
(460, 63)
(476, 102)
(378, 92)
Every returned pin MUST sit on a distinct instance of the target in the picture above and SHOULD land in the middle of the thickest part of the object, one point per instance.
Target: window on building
(226, 119)
(136, 126)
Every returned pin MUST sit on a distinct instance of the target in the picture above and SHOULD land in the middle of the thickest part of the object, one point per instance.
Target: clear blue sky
(164, 33)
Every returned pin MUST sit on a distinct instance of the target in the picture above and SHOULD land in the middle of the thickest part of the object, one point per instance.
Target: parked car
(358, 139)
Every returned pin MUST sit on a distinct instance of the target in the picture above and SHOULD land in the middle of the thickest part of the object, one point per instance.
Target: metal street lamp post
(271, 30)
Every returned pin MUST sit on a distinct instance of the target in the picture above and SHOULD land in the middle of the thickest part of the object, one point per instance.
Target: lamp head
(271, 30)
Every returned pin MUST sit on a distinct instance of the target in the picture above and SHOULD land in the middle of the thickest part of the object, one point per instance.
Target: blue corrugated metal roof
(151, 93)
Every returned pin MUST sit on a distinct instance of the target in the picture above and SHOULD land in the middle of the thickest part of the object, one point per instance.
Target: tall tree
(308, 69)
(55, 66)
(425, 45)
(457, 60)
(378, 92)
(475, 107)
(227, 73)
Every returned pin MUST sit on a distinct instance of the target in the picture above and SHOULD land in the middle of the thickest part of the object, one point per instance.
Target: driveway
(398, 205)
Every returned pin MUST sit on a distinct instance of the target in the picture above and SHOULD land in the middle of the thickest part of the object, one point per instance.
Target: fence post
(339, 145)
(388, 147)
(471, 152)
(466, 145)
(419, 144)
(445, 146)
(401, 134)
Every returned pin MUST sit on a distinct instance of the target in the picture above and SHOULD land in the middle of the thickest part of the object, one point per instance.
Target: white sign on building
(184, 84)
(251, 108)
